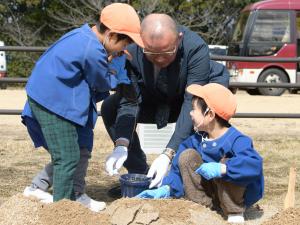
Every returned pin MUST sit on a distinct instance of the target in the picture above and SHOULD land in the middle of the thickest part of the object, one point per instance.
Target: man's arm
(184, 124)
(129, 106)
(198, 70)
(125, 123)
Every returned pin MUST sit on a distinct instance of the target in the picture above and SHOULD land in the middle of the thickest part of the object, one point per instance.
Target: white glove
(115, 160)
(160, 168)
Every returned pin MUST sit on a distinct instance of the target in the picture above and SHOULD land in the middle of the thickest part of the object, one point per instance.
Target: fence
(214, 57)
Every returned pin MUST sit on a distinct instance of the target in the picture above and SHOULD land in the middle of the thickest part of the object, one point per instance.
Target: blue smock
(67, 77)
(68, 80)
(244, 164)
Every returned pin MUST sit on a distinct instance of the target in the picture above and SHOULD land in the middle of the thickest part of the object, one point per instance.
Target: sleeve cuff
(122, 141)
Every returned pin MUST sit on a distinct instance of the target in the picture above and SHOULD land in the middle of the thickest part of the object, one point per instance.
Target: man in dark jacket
(173, 58)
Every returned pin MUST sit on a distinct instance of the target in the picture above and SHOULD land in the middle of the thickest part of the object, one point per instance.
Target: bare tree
(18, 32)
(75, 13)
(16, 29)
(209, 24)
(78, 12)
(146, 7)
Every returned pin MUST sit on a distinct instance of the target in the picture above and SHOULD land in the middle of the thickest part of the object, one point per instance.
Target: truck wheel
(293, 91)
(253, 91)
(272, 76)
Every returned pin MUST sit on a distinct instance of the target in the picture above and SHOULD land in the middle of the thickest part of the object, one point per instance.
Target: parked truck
(267, 29)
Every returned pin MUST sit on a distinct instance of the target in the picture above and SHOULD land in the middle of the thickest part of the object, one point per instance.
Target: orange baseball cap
(122, 18)
(217, 97)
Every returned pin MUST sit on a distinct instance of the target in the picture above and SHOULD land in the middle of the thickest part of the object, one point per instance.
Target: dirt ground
(277, 140)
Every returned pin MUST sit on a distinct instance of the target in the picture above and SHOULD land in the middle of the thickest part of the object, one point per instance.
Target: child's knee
(189, 157)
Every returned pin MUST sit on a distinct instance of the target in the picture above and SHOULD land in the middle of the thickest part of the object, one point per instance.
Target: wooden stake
(289, 200)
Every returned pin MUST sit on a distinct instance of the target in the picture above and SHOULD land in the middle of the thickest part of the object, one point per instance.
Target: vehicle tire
(272, 76)
(293, 91)
(253, 91)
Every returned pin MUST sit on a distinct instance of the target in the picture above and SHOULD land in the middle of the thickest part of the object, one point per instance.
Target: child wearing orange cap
(75, 73)
(217, 166)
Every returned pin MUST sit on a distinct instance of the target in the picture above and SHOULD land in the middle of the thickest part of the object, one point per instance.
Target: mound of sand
(290, 216)
(67, 212)
(160, 212)
(20, 210)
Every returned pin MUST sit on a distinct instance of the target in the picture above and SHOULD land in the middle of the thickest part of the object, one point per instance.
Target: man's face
(161, 52)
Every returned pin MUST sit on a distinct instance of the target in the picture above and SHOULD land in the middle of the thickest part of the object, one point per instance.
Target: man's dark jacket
(191, 66)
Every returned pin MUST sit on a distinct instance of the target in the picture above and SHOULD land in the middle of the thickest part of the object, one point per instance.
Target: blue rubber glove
(210, 170)
(161, 192)
(117, 68)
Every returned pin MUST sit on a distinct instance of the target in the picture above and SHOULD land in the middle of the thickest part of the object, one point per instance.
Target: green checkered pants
(62, 141)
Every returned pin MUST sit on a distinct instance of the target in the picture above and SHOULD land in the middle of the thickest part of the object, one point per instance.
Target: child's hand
(210, 170)
(161, 192)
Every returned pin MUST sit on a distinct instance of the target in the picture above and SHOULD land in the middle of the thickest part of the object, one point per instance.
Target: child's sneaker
(34, 191)
(236, 218)
(93, 205)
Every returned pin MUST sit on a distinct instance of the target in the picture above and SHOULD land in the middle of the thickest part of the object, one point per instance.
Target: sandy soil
(20, 210)
(277, 140)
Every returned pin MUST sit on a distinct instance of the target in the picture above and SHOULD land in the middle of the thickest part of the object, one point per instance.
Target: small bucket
(132, 184)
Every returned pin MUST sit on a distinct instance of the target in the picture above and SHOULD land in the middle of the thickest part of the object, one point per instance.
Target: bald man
(173, 58)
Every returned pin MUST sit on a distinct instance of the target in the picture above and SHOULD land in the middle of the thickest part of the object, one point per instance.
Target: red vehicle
(267, 29)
